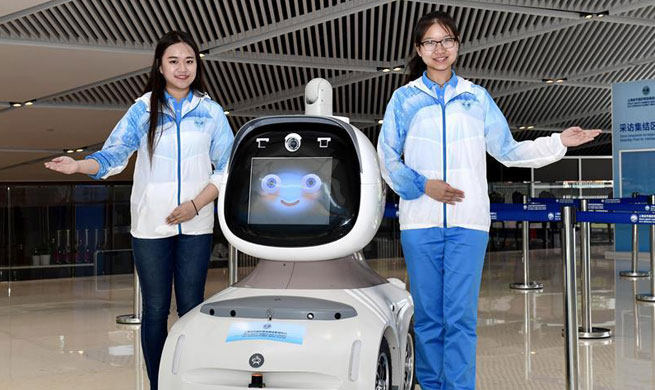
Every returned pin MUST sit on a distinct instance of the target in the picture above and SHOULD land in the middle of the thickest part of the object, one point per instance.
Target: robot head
(301, 188)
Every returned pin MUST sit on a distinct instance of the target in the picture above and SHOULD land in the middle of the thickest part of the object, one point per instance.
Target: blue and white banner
(272, 331)
(616, 218)
(526, 212)
(634, 207)
(641, 199)
(633, 148)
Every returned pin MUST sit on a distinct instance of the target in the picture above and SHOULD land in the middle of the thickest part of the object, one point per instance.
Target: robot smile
(290, 204)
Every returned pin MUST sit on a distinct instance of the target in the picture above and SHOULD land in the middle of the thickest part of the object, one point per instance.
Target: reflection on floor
(61, 334)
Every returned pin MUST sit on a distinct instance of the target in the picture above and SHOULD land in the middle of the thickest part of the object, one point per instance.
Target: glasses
(431, 44)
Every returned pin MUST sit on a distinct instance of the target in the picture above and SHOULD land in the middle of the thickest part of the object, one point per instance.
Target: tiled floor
(61, 334)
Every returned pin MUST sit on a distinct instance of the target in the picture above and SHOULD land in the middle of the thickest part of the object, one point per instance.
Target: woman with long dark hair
(436, 132)
(179, 133)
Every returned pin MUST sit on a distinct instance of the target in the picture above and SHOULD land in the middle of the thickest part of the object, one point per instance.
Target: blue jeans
(181, 261)
(445, 271)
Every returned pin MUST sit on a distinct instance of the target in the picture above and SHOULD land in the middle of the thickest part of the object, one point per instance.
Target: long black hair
(415, 66)
(157, 83)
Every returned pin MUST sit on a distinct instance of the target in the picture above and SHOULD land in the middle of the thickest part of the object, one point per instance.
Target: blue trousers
(181, 261)
(445, 271)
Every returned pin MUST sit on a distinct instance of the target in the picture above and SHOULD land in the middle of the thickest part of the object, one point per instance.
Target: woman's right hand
(64, 164)
(443, 192)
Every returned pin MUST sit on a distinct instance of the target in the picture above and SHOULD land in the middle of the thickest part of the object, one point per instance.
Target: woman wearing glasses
(432, 147)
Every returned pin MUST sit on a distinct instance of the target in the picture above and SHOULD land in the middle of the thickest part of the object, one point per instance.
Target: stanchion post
(133, 319)
(526, 284)
(634, 272)
(233, 264)
(587, 331)
(138, 360)
(636, 321)
(570, 299)
(527, 333)
(650, 297)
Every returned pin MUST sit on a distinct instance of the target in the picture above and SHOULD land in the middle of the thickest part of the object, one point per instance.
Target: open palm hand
(575, 136)
(63, 164)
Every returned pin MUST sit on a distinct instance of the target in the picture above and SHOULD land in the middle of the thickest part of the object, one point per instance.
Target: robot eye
(271, 183)
(311, 183)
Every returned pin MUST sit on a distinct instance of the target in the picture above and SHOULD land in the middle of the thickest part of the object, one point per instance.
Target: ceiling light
(386, 70)
(522, 128)
(29, 103)
(530, 127)
(69, 151)
(397, 68)
(226, 112)
(202, 55)
(381, 121)
(79, 150)
(548, 81)
(559, 80)
(16, 104)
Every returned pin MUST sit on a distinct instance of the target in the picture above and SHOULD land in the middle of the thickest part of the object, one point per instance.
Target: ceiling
(83, 62)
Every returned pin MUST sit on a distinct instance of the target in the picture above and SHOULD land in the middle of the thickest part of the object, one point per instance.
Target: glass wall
(71, 230)
(55, 231)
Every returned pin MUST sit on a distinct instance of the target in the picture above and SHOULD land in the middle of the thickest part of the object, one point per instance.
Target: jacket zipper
(179, 166)
(442, 103)
(445, 167)
(179, 157)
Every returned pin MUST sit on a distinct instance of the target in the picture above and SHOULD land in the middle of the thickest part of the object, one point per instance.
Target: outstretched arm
(529, 154)
(115, 154)
(67, 165)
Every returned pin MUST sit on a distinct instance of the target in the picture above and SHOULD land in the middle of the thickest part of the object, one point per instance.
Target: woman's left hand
(182, 213)
(575, 136)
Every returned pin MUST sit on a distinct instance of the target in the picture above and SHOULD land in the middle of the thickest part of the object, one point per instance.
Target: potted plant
(46, 253)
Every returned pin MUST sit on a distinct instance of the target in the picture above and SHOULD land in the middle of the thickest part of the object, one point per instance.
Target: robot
(303, 193)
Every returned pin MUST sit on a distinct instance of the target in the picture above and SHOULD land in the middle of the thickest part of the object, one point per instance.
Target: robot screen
(290, 191)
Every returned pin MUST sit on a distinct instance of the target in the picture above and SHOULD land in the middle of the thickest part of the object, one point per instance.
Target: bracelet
(194, 206)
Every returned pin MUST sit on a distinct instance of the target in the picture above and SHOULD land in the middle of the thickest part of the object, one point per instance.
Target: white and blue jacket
(430, 132)
(192, 135)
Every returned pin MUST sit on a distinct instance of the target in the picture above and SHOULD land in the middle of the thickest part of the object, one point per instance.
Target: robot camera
(292, 142)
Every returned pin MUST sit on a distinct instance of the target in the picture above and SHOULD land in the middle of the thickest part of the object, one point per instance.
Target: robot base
(288, 338)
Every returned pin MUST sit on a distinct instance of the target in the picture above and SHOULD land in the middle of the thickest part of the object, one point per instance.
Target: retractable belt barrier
(526, 212)
(587, 330)
(632, 217)
(576, 202)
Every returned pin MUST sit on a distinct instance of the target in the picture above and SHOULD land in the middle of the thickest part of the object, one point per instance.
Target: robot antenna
(318, 98)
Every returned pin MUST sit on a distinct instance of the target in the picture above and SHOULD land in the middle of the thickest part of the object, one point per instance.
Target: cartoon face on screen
(290, 191)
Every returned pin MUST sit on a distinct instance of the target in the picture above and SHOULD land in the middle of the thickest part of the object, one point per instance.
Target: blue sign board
(633, 149)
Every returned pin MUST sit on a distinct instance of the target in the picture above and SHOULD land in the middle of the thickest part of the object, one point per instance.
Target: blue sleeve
(504, 148)
(220, 148)
(497, 133)
(121, 144)
(403, 180)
